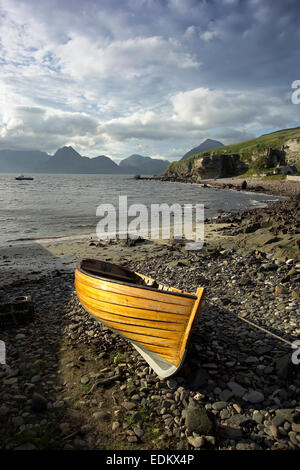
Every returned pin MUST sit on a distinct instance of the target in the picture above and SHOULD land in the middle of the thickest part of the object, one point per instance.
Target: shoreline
(283, 188)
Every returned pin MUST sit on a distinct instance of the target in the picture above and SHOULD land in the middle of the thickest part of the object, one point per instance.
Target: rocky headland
(259, 155)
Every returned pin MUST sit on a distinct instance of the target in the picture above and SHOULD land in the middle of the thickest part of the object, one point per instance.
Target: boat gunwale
(153, 289)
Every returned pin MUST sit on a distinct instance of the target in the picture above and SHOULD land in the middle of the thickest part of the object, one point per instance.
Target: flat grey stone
(219, 405)
(102, 415)
(237, 389)
(4, 410)
(225, 395)
(254, 396)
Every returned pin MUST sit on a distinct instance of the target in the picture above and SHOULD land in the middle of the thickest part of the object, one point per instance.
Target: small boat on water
(23, 178)
(155, 318)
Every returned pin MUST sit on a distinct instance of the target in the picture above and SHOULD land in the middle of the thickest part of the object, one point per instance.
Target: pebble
(225, 395)
(35, 379)
(4, 410)
(17, 421)
(102, 415)
(38, 403)
(211, 440)
(254, 396)
(129, 405)
(237, 390)
(115, 425)
(196, 441)
(84, 380)
(172, 384)
(237, 408)
(247, 446)
(138, 431)
(257, 416)
(219, 405)
(20, 336)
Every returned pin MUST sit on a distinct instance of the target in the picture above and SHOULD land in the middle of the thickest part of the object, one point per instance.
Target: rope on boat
(266, 331)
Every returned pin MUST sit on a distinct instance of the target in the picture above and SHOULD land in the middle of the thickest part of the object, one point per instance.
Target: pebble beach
(70, 383)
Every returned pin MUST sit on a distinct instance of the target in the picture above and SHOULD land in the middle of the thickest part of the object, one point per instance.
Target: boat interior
(120, 274)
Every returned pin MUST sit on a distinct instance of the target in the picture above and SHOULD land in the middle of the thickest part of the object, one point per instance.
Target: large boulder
(286, 170)
(197, 420)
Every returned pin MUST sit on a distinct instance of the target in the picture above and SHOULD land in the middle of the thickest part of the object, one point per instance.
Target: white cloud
(35, 125)
(209, 35)
(222, 108)
(190, 31)
(132, 58)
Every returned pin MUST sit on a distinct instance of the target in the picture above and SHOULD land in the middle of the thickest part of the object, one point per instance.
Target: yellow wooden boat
(155, 318)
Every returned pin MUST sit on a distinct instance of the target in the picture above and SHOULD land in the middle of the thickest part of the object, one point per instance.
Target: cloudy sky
(154, 77)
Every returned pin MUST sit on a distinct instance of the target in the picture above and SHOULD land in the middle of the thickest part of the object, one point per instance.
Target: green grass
(250, 173)
(291, 249)
(130, 387)
(117, 358)
(274, 177)
(245, 149)
(144, 417)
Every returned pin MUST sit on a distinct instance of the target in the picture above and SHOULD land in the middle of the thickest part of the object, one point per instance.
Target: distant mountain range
(208, 144)
(67, 160)
(149, 166)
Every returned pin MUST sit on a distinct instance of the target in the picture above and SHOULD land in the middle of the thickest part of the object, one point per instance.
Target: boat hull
(24, 179)
(157, 322)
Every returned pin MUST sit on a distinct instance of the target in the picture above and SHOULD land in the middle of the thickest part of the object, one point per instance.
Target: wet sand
(39, 259)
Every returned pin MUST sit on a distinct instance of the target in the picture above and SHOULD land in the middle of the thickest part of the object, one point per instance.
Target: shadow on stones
(43, 403)
(227, 359)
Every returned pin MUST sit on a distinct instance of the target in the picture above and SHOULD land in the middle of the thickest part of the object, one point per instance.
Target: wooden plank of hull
(145, 294)
(158, 327)
(151, 335)
(164, 351)
(128, 300)
(134, 318)
(133, 312)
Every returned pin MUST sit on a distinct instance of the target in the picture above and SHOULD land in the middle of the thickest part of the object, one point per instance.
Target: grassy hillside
(244, 149)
